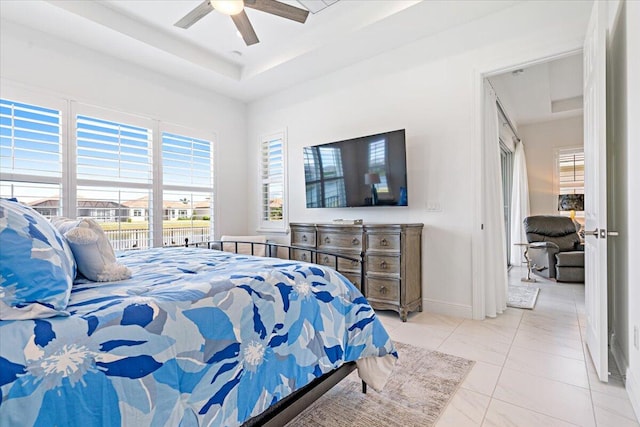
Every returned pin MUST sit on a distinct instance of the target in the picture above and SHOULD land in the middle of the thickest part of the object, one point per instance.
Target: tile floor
(532, 368)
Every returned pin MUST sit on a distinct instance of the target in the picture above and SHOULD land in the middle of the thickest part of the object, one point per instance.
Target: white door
(595, 186)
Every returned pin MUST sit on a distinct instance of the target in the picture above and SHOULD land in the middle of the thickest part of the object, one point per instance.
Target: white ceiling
(542, 92)
(212, 56)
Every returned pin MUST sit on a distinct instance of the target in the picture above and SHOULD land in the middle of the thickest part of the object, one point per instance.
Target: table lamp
(571, 202)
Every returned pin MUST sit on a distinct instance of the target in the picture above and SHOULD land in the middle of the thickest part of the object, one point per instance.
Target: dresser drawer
(383, 289)
(383, 264)
(300, 255)
(343, 264)
(346, 240)
(303, 237)
(355, 279)
(381, 241)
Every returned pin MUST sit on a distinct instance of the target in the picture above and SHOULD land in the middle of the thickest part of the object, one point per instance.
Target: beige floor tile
(568, 332)
(420, 335)
(503, 414)
(613, 405)
(476, 348)
(553, 398)
(606, 418)
(558, 368)
(482, 378)
(489, 330)
(549, 344)
(467, 408)
(569, 317)
(435, 319)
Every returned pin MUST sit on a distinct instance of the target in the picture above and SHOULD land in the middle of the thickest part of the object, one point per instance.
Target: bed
(194, 337)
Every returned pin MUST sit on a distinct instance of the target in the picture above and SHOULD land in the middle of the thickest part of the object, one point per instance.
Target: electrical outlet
(636, 344)
(433, 206)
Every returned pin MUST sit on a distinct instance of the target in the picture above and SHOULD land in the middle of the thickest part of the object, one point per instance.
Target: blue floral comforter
(195, 337)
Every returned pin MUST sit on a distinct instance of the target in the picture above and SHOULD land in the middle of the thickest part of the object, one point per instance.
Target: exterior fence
(139, 238)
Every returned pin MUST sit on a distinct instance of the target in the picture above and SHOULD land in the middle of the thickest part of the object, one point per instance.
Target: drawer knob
(304, 237)
(355, 241)
(304, 257)
(383, 289)
(327, 240)
(383, 264)
(384, 242)
(326, 259)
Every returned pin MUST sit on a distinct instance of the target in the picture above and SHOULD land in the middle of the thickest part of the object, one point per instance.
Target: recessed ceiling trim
(149, 35)
(569, 104)
(315, 6)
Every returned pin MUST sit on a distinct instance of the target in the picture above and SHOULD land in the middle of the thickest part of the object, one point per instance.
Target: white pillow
(91, 249)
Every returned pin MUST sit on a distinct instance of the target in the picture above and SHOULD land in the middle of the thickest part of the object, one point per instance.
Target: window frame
(264, 225)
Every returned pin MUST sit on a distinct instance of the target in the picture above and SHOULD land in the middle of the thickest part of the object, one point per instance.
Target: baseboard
(633, 391)
(447, 308)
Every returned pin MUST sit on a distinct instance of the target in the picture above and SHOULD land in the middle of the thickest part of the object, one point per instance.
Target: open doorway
(540, 107)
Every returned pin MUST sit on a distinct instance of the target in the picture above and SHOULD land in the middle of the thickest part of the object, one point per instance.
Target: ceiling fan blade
(275, 7)
(195, 15)
(246, 29)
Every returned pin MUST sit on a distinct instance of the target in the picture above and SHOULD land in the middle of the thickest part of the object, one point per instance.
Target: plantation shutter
(113, 152)
(186, 161)
(571, 171)
(272, 166)
(31, 155)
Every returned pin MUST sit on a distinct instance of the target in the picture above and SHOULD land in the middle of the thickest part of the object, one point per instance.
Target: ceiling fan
(235, 9)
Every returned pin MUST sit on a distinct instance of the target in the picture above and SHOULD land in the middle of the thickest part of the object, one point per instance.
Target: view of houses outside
(127, 224)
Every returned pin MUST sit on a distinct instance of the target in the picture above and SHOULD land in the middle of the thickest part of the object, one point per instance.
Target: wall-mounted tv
(359, 172)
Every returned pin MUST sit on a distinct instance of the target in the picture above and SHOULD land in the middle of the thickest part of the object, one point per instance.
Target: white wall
(54, 66)
(429, 88)
(541, 142)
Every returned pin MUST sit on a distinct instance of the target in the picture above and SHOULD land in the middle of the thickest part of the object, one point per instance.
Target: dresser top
(366, 224)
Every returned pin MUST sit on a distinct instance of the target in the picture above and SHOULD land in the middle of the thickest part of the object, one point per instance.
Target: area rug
(422, 384)
(522, 296)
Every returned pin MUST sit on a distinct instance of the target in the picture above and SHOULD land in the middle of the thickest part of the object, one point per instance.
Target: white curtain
(519, 202)
(495, 256)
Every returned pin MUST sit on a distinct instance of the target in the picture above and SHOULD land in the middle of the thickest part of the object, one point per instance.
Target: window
(104, 170)
(113, 172)
(31, 154)
(570, 173)
(273, 183)
(187, 168)
(506, 165)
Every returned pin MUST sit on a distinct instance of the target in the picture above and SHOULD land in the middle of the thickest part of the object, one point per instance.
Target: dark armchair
(555, 250)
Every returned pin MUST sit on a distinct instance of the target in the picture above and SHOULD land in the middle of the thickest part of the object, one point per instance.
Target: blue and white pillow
(36, 265)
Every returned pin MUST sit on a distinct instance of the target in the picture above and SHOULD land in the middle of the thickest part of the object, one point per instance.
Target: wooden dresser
(391, 254)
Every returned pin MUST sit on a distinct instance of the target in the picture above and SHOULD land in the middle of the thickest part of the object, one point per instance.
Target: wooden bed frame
(288, 408)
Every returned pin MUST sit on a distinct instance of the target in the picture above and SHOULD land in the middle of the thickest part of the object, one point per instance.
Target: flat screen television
(359, 172)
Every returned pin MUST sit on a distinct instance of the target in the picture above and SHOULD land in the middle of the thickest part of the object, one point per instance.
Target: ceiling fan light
(228, 7)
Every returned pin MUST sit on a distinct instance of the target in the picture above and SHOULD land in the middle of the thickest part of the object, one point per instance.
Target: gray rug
(522, 296)
(421, 386)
